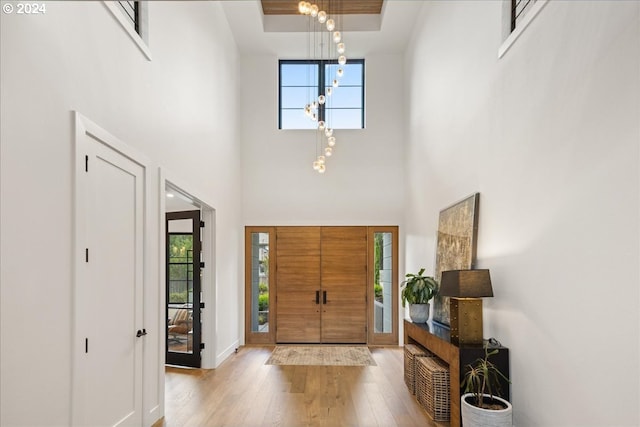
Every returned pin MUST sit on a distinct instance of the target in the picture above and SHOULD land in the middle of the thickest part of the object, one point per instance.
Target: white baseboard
(221, 357)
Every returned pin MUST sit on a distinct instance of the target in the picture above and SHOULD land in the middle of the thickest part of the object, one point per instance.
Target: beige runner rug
(319, 355)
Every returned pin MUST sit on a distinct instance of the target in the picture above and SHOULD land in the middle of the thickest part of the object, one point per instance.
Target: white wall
(549, 137)
(363, 184)
(364, 181)
(178, 109)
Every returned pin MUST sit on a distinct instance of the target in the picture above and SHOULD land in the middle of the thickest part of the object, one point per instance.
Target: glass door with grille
(183, 289)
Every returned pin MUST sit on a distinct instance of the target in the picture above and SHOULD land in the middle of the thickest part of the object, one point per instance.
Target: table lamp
(465, 289)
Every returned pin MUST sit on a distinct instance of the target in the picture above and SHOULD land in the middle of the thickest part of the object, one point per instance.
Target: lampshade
(466, 284)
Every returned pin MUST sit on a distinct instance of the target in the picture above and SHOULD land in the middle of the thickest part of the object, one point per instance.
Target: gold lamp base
(465, 318)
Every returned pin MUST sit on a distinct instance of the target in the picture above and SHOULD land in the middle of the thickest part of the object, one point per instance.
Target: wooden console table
(436, 338)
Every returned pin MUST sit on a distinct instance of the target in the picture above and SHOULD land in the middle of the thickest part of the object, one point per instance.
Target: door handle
(324, 297)
(141, 333)
(317, 297)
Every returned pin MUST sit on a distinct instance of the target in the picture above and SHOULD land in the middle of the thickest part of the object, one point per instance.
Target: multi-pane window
(180, 268)
(304, 81)
(519, 9)
(131, 11)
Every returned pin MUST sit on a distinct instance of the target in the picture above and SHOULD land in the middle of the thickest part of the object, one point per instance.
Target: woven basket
(411, 353)
(432, 387)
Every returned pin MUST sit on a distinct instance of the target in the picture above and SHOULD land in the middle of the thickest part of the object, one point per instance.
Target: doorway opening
(188, 262)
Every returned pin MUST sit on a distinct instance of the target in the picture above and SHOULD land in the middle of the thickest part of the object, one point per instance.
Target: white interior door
(109, 289)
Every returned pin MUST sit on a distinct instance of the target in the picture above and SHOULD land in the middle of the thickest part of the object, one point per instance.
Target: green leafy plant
(262, 319)
(418, 289)
(377, 290)
(263, 302)
(263, 287)
(483, 379)
(178, 297)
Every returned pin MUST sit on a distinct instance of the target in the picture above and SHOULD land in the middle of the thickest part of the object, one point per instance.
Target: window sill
(113, 8)
(537, 7)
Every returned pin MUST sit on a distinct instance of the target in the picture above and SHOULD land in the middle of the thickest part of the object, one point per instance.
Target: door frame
(152, 408)
(169, 180)
(372, 337)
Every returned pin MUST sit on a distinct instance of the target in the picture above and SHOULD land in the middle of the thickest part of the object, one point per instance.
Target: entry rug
(321, 355)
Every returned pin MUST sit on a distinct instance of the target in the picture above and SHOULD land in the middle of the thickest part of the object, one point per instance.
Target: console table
(437, 339)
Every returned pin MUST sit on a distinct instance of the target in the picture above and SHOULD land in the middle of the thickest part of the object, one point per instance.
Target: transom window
(303, 81)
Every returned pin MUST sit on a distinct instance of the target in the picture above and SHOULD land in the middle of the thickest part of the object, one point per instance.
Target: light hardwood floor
(244, 392)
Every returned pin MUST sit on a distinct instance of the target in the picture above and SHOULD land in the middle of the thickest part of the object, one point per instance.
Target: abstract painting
(456, 250)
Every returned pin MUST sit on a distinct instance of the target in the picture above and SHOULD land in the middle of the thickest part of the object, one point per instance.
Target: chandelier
(325, 44)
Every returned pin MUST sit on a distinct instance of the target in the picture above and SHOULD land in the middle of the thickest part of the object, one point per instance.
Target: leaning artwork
(456, 250)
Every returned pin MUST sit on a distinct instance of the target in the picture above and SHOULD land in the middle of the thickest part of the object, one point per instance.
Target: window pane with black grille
(303, 81)
(131, 10)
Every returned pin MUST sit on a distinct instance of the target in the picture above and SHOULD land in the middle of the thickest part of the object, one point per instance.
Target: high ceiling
(332, 7)
(381, 27)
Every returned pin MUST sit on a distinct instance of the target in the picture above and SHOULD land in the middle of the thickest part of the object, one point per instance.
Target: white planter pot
(419, 313)
(472, 416)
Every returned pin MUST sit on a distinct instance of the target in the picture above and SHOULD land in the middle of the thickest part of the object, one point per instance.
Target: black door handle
(324, 297)
(317, 297)
(139, 333)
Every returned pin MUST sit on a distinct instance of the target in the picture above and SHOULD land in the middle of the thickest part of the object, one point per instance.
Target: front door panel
(344, 283)
(298, 284)
(321, 275)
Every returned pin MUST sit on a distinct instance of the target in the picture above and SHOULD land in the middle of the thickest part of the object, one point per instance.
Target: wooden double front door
(321, 284)
(321, 276)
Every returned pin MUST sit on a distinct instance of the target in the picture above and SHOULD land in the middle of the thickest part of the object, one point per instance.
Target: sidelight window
(259, 286)
(383, 285)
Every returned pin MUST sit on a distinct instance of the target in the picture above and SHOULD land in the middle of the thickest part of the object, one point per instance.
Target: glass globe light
(321, 160)
(342, 59)
(307, 8)
(316, 165)
(307, 109)
(331, 141)
(335, 83)
(340, 48)
(314, 10)
(322, 168)
(328, 151)
(329, 91)
(301, 6)
(340, 72)
(322, 17)
(337, 37)
(331, 24)
(314, 117)
(322, 99)
(321, 125)
(328, 132)
(314, 105)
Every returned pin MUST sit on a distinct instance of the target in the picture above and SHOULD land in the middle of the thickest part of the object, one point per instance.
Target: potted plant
(417, 290)
(479, 406)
